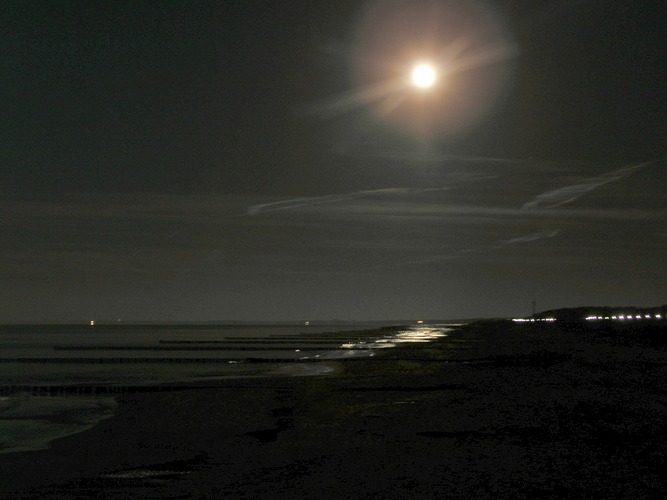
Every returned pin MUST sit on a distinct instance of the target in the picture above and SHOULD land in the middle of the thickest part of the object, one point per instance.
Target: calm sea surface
(57, 380)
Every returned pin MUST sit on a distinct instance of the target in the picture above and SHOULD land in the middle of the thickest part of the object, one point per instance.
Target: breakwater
(291, 347)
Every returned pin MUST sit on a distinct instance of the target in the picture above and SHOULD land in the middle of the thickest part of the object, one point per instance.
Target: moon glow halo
(424, 76)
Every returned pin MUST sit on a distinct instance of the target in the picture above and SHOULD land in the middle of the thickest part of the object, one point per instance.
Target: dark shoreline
(493, 411)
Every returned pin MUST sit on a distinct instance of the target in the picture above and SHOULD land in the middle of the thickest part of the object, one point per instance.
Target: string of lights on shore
(622, 317)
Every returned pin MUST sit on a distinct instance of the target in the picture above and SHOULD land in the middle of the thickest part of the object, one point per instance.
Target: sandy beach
(493, 410)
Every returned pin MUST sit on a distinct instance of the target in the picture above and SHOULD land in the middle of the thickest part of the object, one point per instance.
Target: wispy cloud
(456, 253)
(526, 239)
(295, 203)
(353, 148)
(451, 181)
(519, 240)
(568, 194)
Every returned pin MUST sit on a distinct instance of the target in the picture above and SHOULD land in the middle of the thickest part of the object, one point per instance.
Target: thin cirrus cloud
(457, 253)
(551, 204)
(330, 199)
(544, 202)
(569, 194)
(302, 202)
(526, 239)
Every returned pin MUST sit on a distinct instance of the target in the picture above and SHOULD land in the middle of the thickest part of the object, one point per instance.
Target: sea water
(57, 380)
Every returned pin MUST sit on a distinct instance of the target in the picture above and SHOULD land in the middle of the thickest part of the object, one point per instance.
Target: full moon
(423, 76)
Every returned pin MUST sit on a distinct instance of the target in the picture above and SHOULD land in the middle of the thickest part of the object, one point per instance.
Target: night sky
(270, 160)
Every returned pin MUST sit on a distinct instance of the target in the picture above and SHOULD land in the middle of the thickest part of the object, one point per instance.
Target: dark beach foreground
(493, 410)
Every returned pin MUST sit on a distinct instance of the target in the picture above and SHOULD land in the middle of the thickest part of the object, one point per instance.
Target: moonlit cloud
(526, 239)
(296, 203)
(569, 194)
(461, 252)
(372, 150)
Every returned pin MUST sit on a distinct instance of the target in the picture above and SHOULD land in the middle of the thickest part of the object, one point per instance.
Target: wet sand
(494, 410)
